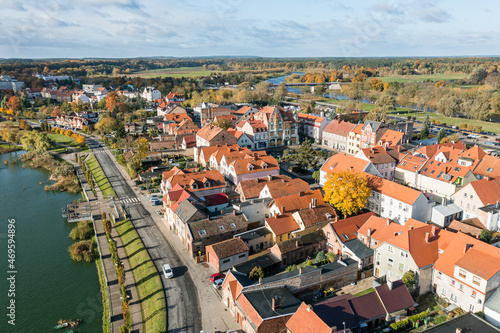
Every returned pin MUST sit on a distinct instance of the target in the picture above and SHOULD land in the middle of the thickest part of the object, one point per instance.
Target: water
(49, 286)
(280, 79)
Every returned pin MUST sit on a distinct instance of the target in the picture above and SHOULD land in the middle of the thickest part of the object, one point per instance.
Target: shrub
(330, 256)
(291, 268)
(320, 257)
(83, 230)
(400, 325)
(256, 273)
(82, 251)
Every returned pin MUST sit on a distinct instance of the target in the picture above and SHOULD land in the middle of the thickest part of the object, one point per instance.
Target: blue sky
(313, 28)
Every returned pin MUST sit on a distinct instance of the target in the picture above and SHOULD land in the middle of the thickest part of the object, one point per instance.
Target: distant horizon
(119, 29)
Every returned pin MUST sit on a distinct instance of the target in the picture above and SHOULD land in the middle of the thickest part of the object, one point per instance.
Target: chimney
(276, 302)
(388, 221)
(433, 230)
(309, 307)
(301, 193)
(297, 243)
(444, 201)
(260, 280)
(334, 329)
(313, 202)
(369, 233)
(458, 330)
(269, 177)
(336, 218)
(466, 247)
(282, 209)
(427, 235)
(411, 227)
(389, 284)
(301, 270)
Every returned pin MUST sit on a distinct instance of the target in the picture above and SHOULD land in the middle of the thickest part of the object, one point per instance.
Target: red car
(216, 276)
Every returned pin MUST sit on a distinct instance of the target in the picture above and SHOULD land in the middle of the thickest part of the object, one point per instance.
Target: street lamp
(343, 323)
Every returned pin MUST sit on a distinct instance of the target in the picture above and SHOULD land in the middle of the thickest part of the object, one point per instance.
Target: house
(132, 128)
(375, 231)
(384, 158)
(249, 166)
(311, 126)
(8, 83)
(184, 211)
(281, 227)
(341, 236)
(174, 97)
(345, 312)
(438, 170)
(416, 248)
(396, 201)
(257, 239)
(150, 94)
(243, 140)
(442, 215)
(255, 210)
(188, 141)
(224, 255)
(245, 111)
(202, 233)
(488, 167)
(252, 188)
(282, 126)
(201, 183)
(345, 162)
(90, 88)
(211, 135)
(468, 322)
(256, 131)
(298, 249)
(492, 309)
(472, 227)
(479, 199)
(312, 219)
(277, 189)
(162, 145)
(336, 133)
(169, 107)
(265, 310)
(392, 138)
(297, 201)
(208, 111)
(203, 155)
(467, 273)
(370, 133)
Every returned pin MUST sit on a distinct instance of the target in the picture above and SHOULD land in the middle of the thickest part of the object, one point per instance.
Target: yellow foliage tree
(347, 191)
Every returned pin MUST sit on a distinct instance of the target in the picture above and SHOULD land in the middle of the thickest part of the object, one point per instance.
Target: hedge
(400, 325)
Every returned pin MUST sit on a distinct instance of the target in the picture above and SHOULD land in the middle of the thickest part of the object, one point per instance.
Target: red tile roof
(350, 226)
(298, 201)
(393, 190)
(488, 191)
(251, 188)
(341, 128)
(344, 162)
(391, 137)
(282, 224)
(228, 248)
(489, 166)
(380, 229)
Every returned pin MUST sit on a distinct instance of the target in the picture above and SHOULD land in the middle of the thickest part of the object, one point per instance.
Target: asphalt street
(183, 310)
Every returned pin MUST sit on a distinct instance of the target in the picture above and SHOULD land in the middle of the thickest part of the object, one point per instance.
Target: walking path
(98, 205)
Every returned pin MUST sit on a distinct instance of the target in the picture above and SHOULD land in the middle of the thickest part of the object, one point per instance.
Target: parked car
(217, 276)
(167, 271)
(154, 198)
(218, 284)
(142, 187)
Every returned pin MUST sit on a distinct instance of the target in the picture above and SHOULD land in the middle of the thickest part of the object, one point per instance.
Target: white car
(154, 198)
(167, 271)
(218, 283)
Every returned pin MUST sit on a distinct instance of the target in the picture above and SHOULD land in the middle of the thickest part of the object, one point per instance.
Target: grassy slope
(65, 140)
(100, 177)
(146, 277)
(104, 293)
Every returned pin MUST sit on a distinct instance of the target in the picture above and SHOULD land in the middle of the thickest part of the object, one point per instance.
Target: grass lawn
(365, 106)
(364, 292)
(104, 293)
(453, 121)
(64, 140)
(100, 177)
(147, 279)
(423, 78)
(174, 72)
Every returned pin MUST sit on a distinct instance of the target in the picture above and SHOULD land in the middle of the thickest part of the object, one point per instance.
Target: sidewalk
(98, 205)
(215, 316)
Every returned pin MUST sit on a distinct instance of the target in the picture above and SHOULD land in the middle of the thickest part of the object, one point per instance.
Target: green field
(174, 72)
(60, 139)
(453, 121)
(100, 177)
(365, 106)
(146, 277)
(423, 78)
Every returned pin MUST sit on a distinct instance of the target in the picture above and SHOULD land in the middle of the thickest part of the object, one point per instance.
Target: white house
(344, 162)
(150, 94)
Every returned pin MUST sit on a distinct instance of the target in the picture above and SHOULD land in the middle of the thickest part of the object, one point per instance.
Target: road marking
(130, 201)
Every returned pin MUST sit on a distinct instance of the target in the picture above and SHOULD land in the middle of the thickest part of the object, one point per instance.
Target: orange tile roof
(314, 216)
(228, 248)
(489, 166)
(431, 150)
(392, 189)
(175, 170)
(298, 201)
(475, 153)
(237, 134)
(382, 155)
(341, 128)
(209, 131)
(221, 151)
(344, 162)
(481, 259)
(282, 224)
(412, 162)
(357, 129)
(187, 180)
(306, 320)
(279, 189)
(350, 226)
(176, 117)
(379, 228)
(242, 110)
(254, 163)
(310, 117)
(251, 188)
(392, 137)
(488, 191)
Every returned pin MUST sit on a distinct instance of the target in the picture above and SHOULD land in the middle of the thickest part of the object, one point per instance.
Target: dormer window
(207, 184)
(194, 186)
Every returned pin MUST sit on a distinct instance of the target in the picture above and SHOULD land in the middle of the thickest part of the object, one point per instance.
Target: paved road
(183, 311)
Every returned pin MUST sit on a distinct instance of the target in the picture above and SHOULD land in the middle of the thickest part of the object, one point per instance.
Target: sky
(272, 28)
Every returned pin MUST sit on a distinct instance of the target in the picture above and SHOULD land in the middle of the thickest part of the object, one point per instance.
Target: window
(225, 261)
(328, 235)
(461, 287)
(439, 274)
(221, 227)
(233, 225)
(202, 232)
(453, 297)
(476, 280)
(389, 248)
(390, 261)
(402, 254)
(461, 273)
(443, 292)
(345, 236)
(400, 205)
(473, 295)
(401, 266)
(242, 255)
(489, 170)
(452, 282)
(389, 273)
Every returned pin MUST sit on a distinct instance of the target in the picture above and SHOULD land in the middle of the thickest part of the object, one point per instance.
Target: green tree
(347, 191)
(3, 104)
(320, 89)
(409, 279)
(424, 132)
(280, 92)
(485, 236)
(321, 256)
(478, 75)
(306, 156)
(441, 135)
(256, 273)
(316, 175)
(35, 140)
(331, 256)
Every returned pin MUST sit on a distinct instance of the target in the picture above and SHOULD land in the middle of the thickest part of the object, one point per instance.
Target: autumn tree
(280, 92)
(223, 123)
(14, 104)
(256, 273)
(376, 84)
(320, 89)
(107, 124)
(57, 110)
(111, 101)
(478, 75)
(35, 140)
(23, 125)
(347, 191)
